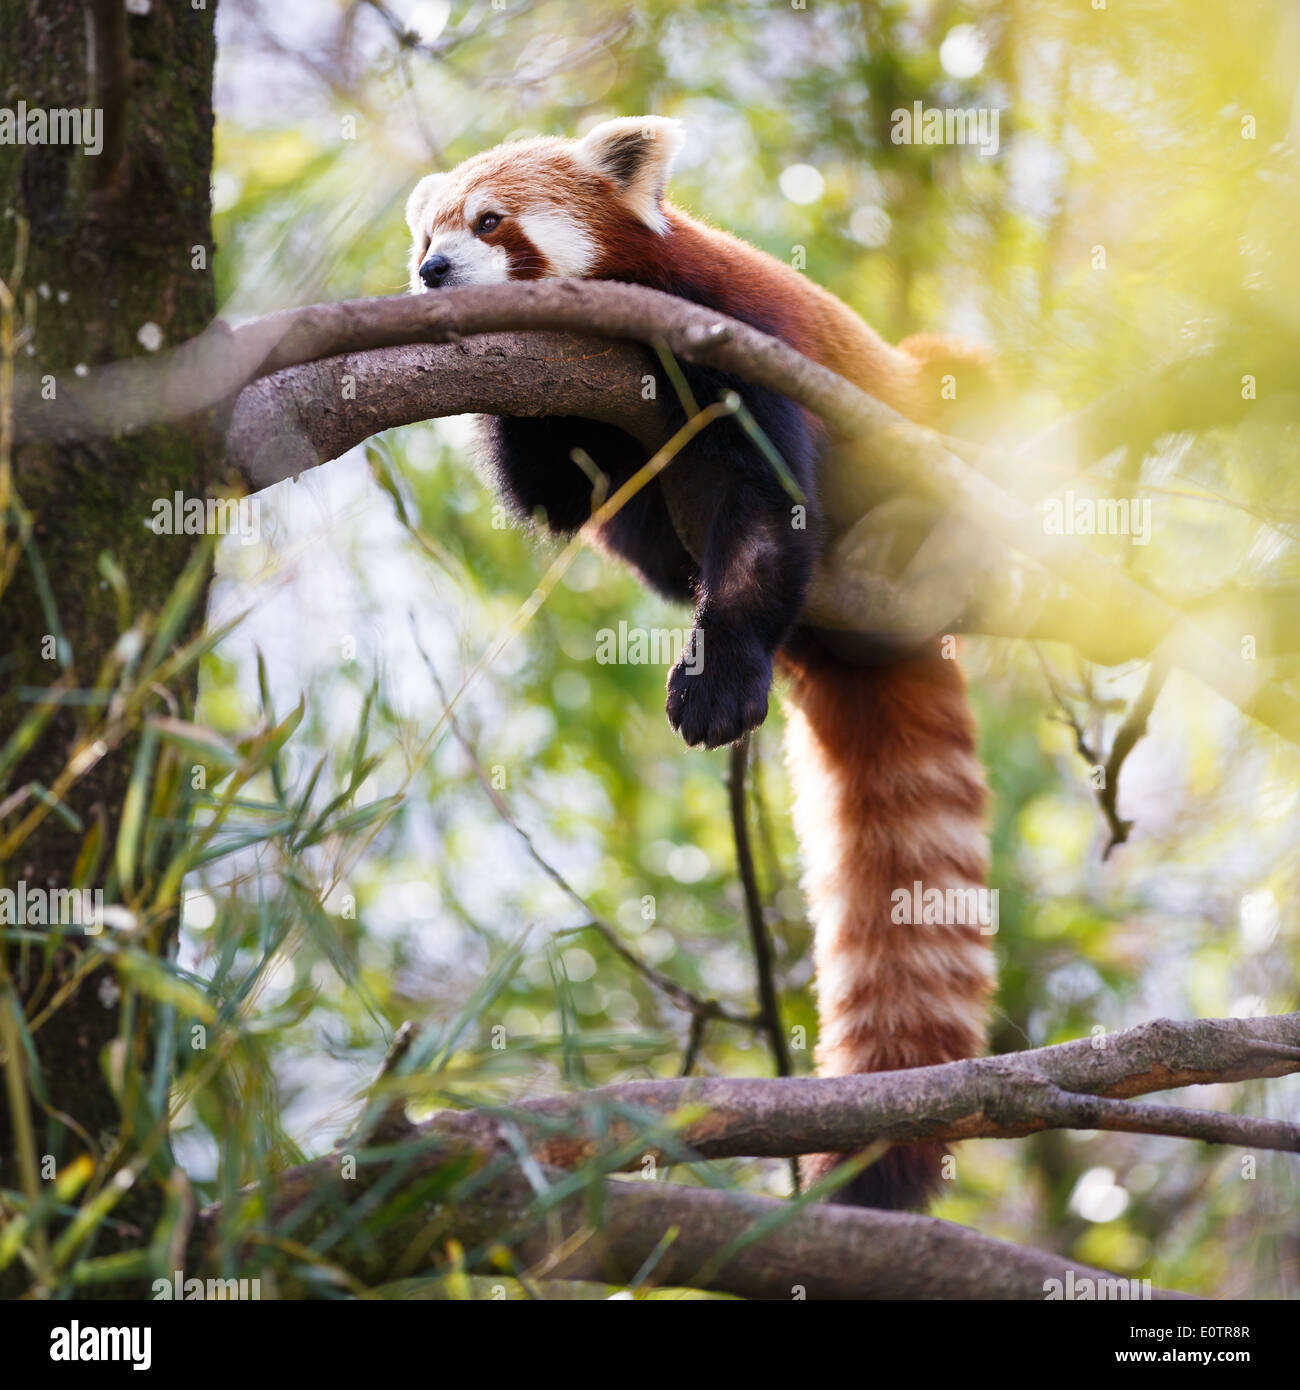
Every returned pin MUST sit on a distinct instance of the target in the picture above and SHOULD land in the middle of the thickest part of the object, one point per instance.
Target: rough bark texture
(464, 1181)
(113, 248)
(296, 419)
(980, 516)
(611, 1229)
(977, 524)
(302, 416)
(1077, 1085)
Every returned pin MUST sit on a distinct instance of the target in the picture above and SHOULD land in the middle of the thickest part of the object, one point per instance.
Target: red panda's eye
(489, 222)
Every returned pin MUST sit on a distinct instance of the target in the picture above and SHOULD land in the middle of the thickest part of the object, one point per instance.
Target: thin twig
(761, 941)
(694, 1044)
(1126, 738)
(1058, 1109)
(677, 993)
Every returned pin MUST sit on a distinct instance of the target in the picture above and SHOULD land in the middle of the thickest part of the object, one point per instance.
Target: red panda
(889, 791)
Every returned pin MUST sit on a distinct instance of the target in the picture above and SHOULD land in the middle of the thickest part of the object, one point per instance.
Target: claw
(720, 701)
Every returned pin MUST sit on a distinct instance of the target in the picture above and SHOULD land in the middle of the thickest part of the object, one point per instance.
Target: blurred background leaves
(1139, 207)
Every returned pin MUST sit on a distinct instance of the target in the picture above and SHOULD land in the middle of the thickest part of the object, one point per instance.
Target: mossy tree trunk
(118, 264)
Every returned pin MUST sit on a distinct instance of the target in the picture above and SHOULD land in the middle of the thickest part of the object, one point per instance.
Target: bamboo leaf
(133, 810)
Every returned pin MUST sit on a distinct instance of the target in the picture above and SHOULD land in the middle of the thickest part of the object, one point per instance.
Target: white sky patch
(688, 863)
(1249, 1006)
(1259, 922)
(579, 965)
(200, 911)
(428, 18)
(226, 188)
(1098, 1197)
(963, 51)
(119, 918)
(801, 183)
(870, 226)
(417, 899)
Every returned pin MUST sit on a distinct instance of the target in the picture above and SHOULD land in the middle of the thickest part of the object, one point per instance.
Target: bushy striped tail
(889, 804)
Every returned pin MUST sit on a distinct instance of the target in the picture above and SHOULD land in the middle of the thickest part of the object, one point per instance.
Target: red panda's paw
(718, 690)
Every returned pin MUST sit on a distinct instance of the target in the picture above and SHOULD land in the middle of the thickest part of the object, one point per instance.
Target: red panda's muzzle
(434, 271)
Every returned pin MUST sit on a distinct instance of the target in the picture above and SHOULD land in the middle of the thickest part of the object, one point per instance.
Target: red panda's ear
(635, 153)
(422, 195)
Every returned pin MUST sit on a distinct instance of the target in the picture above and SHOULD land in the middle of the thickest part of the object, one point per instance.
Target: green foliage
(347, 868)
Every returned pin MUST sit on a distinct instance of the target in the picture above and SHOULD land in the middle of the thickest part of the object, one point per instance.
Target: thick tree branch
(288, 422)
(911, 460)
(903, 458)
(822, 1253)
(302, 416)
(1078, 1085)
(533, 1177)
(610, 1230)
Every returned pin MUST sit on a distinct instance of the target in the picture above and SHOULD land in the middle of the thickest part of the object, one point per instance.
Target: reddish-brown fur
(882, 751)
(889, 791)
(749, 284)
(526, 261)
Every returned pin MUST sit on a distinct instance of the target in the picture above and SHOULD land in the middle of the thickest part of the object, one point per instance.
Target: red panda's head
(542, 207)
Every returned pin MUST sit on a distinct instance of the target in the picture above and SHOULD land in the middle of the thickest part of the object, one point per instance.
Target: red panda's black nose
(434, 271)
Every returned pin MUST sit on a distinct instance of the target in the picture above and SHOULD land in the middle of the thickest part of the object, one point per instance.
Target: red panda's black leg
(532, 460)
(532, 463)
(755, 577)
(757, 561)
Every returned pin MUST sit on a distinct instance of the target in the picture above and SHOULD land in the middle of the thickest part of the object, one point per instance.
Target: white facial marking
(420, 204)
(567, 245)
(480, 201)
(473, 262)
